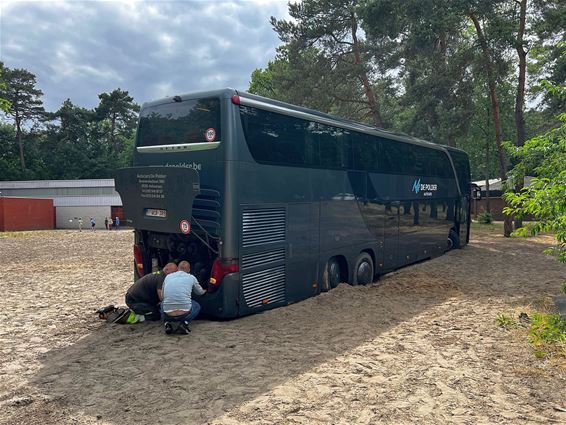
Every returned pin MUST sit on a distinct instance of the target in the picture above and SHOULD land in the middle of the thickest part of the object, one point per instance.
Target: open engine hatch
(158, 198)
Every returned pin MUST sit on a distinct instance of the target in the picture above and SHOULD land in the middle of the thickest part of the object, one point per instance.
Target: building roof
(65, 193)
(53, 184)
(495, 184)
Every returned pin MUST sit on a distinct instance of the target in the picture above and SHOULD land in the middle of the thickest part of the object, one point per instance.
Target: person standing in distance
(178, 307)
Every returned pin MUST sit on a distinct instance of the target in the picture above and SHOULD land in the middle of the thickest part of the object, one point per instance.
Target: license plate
(151, 212)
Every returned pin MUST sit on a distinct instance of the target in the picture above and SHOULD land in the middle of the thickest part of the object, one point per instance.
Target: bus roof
(261, 102)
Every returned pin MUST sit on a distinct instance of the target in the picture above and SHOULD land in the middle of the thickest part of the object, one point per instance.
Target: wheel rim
(364, 273)
(450, 243)
(334, 274)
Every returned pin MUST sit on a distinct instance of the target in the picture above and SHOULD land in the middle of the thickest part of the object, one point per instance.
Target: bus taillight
(219, 270)
(138, 261)
(235, 99)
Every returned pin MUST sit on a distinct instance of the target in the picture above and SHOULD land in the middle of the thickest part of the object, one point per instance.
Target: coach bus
(273, 203)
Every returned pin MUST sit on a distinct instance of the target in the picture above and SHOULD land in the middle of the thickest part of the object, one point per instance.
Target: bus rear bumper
(223, 303)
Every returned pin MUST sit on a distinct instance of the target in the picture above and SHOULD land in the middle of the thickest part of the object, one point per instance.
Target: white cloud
(78, 49)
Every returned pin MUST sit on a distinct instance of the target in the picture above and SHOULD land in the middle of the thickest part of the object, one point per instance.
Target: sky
(78, 49)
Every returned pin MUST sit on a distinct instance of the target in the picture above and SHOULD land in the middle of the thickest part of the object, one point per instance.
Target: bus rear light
(219, 270)
(138, 261)
(236, 99)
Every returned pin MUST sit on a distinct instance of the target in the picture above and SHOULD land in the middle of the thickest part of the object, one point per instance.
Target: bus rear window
(190, 121)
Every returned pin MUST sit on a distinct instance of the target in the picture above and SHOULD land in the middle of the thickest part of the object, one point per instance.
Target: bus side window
(312, 154)
(330, 149)
(366, 152)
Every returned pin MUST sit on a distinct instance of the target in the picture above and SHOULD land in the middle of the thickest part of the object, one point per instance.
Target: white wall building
(72, 199)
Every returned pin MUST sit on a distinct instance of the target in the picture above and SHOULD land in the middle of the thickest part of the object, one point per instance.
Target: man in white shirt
(178, 307)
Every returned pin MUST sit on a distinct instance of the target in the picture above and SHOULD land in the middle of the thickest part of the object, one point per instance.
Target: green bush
(547, 328)
(564, 287)
(485, 217)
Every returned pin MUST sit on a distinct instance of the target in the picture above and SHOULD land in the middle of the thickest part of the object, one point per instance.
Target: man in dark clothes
(144, 296)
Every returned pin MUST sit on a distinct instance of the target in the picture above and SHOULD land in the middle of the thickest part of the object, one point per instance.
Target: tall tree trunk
(443, 64)
(20, 141)
(374, 110)
(487, 158)
(507, 224)
(520, 99)
(451, 140)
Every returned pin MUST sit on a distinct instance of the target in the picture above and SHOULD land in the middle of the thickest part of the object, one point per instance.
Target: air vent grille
(264, 287)
(263, 226)
(262, 258)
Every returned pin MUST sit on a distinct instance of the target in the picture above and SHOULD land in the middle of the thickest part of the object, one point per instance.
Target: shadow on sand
(137, 374)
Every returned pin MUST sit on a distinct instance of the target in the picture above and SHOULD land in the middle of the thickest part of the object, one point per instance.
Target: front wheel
(453, 240)
(363, 270)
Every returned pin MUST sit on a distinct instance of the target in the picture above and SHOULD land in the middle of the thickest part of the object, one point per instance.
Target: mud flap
(158, 198)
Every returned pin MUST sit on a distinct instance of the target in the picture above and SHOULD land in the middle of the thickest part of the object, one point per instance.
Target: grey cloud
(80, 49)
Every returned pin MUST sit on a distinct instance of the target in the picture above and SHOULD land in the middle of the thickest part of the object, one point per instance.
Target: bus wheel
(331, 277)
(453, 240)
(363, 271)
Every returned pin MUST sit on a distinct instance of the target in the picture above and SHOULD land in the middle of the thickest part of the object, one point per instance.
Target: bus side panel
(279, 236)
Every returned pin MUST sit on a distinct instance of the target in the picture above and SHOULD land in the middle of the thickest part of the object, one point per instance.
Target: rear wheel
(331, 278)
(363, 270)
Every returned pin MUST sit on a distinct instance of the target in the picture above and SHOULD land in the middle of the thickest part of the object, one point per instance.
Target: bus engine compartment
(152, 250)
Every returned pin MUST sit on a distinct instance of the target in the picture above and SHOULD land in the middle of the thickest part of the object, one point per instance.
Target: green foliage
(485, 217)
(5, 104)
(547, 329)
(26, 106)
(505, 321)
(545, 198)
(563, 288)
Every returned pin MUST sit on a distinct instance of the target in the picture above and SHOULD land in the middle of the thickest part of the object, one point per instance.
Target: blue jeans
(189, 317)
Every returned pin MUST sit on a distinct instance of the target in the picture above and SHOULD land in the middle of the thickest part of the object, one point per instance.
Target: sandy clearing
(421, 345)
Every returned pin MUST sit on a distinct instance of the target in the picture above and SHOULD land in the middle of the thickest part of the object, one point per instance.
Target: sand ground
(419, 346)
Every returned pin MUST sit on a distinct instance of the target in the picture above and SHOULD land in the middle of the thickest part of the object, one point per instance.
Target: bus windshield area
(174, 123)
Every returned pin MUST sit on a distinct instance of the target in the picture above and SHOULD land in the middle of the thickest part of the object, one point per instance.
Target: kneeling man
(179, 309)
(144, 296)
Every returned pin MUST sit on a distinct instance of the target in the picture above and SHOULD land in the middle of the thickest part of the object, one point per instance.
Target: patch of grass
(563, 289)
(547, 329)
(505, 321)
(547, 334)
(493, 227)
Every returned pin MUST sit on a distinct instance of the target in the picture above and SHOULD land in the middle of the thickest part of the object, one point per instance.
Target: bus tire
(363, 270)
(331, 276)
(453, 240)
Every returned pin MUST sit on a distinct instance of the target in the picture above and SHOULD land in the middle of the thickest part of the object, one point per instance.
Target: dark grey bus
(273, 203)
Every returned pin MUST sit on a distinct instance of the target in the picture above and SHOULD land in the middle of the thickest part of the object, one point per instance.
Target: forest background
(476, 74)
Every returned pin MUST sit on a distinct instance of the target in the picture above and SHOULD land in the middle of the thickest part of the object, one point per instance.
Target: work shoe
(169, 328)
(183, 328)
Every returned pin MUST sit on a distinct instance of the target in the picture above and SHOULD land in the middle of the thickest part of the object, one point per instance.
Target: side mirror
(476, 192)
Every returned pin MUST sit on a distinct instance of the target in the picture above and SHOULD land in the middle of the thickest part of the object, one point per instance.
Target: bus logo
(427, 189)
(185, 227)
(416, 186)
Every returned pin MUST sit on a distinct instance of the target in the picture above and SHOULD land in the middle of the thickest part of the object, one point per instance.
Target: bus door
(302, 250)
(391, 257)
